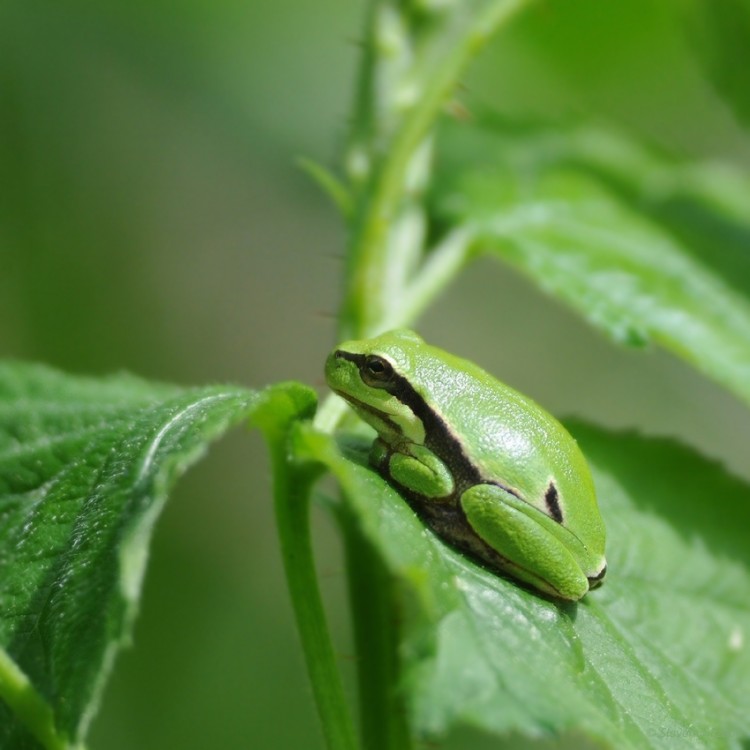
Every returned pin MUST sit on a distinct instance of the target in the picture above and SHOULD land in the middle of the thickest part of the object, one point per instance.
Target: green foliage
(86, 468)
(647, 245)
(719, 34)
(622, 665)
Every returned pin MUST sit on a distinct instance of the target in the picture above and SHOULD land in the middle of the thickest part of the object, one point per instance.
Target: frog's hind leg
(533, 555)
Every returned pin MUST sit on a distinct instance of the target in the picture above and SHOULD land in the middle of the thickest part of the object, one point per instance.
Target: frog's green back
(506, 435)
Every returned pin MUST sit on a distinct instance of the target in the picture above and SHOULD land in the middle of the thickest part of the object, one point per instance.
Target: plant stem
(29, 706)
(441, 266)
(435, 76)
(382, 717)
(292, 485)
(385, 286)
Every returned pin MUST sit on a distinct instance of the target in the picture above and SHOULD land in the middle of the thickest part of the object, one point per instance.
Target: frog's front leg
(414, 467)
(534, 554)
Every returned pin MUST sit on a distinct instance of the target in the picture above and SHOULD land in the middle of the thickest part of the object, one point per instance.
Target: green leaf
(719, 32)
(655, 658)
(646, 247)
(85, 468)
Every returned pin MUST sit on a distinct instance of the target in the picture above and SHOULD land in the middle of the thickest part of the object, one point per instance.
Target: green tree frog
(485, 468)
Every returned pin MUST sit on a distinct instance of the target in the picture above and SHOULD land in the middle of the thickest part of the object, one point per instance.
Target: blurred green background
(152, 219)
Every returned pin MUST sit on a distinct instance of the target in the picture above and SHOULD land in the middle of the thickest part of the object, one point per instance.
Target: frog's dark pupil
(378, 368)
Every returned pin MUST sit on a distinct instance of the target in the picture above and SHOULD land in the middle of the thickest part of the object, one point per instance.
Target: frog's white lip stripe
(384, 416)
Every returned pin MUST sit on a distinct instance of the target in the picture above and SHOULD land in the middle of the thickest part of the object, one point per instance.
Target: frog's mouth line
(361, 405)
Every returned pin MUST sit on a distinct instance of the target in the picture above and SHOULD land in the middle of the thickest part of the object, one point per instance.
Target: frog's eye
(376, 371)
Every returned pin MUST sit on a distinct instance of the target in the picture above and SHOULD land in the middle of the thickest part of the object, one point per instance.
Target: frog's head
(371, 374)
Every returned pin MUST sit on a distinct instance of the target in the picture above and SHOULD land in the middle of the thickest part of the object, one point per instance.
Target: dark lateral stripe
(438, 438)
(553, 502)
